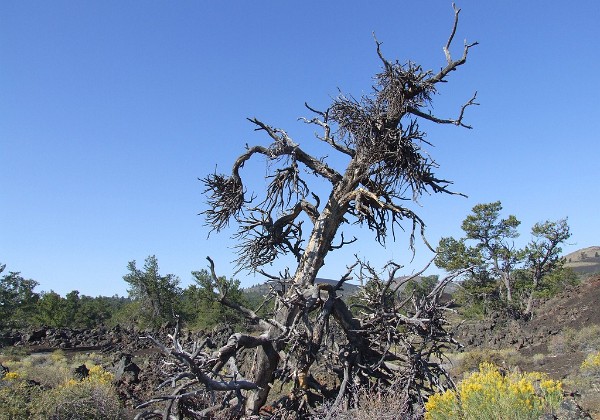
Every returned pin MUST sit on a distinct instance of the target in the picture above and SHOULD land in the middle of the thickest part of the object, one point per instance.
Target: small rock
(81, 372)
(126, 370)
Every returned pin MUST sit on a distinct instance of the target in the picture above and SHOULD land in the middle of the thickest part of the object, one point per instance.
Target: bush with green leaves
(43, 387)
(93, 397)
(17, 397)
(490, 394)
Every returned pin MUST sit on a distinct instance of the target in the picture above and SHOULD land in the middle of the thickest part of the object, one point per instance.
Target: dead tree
(384, 342)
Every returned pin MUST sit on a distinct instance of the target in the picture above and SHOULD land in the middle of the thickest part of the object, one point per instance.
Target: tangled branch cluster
(225, 198)
(326, 353)
(379, 132)
(312, 343)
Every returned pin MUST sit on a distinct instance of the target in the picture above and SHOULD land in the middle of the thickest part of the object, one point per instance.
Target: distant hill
(585, 260)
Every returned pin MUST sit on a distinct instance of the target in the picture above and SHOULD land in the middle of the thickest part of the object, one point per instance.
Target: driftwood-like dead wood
(312, 342)
(384, 343)
(381, 136)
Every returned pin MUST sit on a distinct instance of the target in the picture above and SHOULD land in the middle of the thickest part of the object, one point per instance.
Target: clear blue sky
(111, 110)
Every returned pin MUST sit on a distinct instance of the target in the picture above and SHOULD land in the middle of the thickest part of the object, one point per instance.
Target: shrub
(11, 376)
(584, 339)
(587, 383)
(56, 395)
(470, 361)
(16, 397)
(88, 359)
(591, 365)
(13, 353)
(92, 398)
(539, 359)
(372, 405)
(49, 370)
(58, 356)
(488, 394)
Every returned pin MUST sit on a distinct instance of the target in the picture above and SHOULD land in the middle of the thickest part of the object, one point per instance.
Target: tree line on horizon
(496, 275)
(153, 300)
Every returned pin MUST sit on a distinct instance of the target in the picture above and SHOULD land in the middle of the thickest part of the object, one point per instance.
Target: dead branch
(389, 342)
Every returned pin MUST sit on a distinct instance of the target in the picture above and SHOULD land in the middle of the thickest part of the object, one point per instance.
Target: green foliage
(492, 255)
(478, 296)
(200, 306)
(550, 285)
(21, 307)
(52, 310)
(485, 226)
(16, 398)
(555, 281)
(495, 272)
(75, 311)
(420, 287)
(454, 255)
(17, 299)
(58, 395)
(158, 295)
(98, 310)
(490, 394)
(257, 301)
(128, 315)
(543, 254)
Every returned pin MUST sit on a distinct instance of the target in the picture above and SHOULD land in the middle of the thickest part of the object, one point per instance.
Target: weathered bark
(534, 287)
(380, 136)
(506, 279)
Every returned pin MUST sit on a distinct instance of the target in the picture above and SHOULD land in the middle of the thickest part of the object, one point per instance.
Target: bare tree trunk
(318, 246)
(267, 360)
(508, 286)
(536, 281)
(529, 307)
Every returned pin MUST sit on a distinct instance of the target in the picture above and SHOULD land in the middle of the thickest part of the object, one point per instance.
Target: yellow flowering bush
(98, 374)
(591, 364)
(49, 370)
(488, 394)
(58, 356)
(11, 376)
(93, 397)
(16, 398)
(59, 395)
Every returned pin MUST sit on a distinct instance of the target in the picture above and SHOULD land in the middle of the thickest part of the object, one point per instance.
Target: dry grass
(586, 339)
(370, 405)
(42, 386)
(464, 363)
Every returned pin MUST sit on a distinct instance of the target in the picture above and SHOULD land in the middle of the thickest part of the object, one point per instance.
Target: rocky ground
(574, 309)
(562, 332)
(137, 363)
